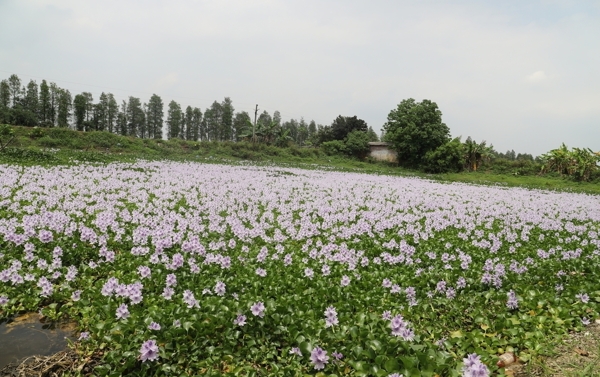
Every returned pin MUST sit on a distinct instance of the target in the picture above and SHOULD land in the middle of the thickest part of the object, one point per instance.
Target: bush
(334, 147)
(357, 144)
(447, 158)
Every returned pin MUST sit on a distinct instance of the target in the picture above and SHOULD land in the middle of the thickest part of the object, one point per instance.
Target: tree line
(48, 105)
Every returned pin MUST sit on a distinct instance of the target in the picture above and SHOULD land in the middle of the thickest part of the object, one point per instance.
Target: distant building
(382, 151)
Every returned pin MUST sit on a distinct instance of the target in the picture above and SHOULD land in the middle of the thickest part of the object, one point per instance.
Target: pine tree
(112, 112)
(197, 123)
(154, 117)
(65, 105)
(174, 118)
(44, 105)
(189, 122)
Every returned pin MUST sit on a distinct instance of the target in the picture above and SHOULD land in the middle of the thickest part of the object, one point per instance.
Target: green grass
(33, 146)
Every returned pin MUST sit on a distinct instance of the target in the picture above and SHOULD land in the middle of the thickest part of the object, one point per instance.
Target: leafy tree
(372, 135)
(448, 157)
(357, 144)
(415, 128)
(122, 121)
(64, 108)
(79, 107)
(476, 153)
(174, 120)
(240, 123)
(154, 117)
(312, 129)
(277, 118)
(342, 126)
(14, 84)
(136, 118)
(54, 99)
(44, 105)
(227, 111)
(196, 123)
(31, 99)
(189, 122)
(4, 94)
(112, 112)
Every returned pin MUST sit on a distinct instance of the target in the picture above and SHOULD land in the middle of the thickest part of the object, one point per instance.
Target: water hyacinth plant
(278, 271)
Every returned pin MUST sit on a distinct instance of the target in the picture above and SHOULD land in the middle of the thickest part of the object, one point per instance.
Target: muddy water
(28, 335)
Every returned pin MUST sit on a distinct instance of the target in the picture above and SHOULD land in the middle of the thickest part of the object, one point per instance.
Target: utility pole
(254, 126)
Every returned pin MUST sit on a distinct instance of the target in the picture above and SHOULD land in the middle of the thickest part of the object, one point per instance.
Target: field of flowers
(182, 268)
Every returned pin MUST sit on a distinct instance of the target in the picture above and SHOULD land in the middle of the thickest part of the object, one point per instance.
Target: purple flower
(122, 312)
(171, 280)
(168, 293)
(154, 326)
(473, 367)
(309, 273)
(189, 299)
(258, 309)
(144, 271)
(240, 320)
(345, 281)
(76, 295)
(400, 328)
(583, 297)
(84, 335)
(149, 351)
(331, 318)
(261, 272)
(220, 288)
(296, 351)
(176, 323)
(585, 321)
(319, 358)
(3, 300)
(387, 315)
(512, 302)
(337, 355)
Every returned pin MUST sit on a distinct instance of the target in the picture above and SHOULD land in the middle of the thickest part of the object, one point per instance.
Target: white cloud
(537, 76)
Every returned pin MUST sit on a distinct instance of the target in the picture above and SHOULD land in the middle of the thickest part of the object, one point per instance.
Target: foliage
(344, 125)
(415, 128)
(476, 153)
(580, 163)
(357, 144)
(334, 147)
(447, 158)
(7, 135)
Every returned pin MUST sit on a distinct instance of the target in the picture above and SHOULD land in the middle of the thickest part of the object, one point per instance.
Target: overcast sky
(523, 75)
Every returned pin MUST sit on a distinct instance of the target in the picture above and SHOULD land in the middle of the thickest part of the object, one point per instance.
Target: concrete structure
(382, 151)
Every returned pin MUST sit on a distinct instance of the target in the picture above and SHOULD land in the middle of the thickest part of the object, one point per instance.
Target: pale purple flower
(261, 272)
(583, 297)
(171, 280)
(309, 273)
(220, 288)
(386, 283)
(331, 318)
(168, 292)
(512, 302)
(189, 299)
(76, 295)
(84, 335)
(337, 355)
(154, 326)
(345, 281)
(149, 351)
(473, 367)
(3, 300)
(319, 358)
(387, 315)
(296, 351)
(401, 328)
(122, 312)
(144, 271)
(585, 321)
(240, 320)
(258, 309)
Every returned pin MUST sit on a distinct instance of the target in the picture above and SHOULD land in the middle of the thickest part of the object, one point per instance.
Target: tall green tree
(174, 119)
(154, 117)
(112, 113)
(343, 125)
(196, 123)
(54, 99)
(101, 113)
(14, 84)
(227, 111)
(64, 108)
(122, 121)
(189, 122)
(415, 128)
(31, 99)
(44, 106)
(79, 110)
(136, 119)
(240, 124)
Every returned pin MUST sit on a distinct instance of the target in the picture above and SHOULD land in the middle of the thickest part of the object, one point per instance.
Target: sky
(519, 74)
